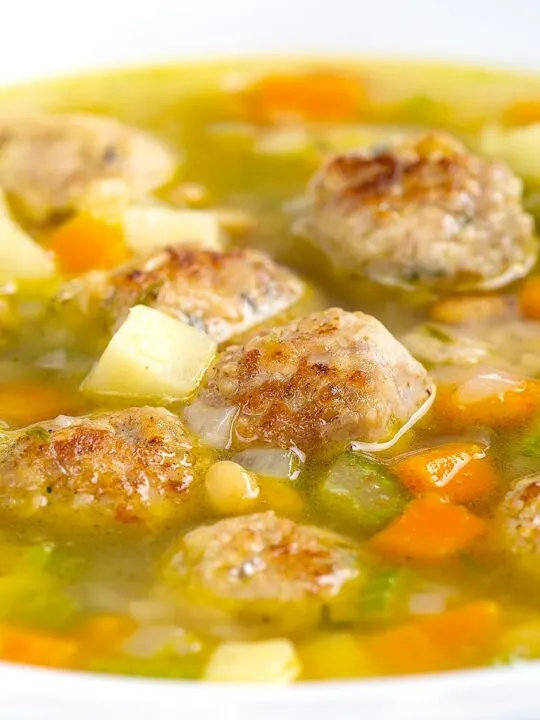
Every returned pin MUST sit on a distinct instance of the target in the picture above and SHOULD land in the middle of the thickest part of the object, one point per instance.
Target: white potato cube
(269, 661)
(152, 356)
(20, 257)
(151, 227)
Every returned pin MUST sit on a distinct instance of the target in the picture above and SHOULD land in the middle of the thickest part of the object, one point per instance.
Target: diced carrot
(430, 528)
(312, 96)
(529, 297)
(456, 310)
(36, 648)
(522, 112)
(507, 408)
(459, 471)
(87, 243)
(450, 640)
(103, 632)
(24, 403)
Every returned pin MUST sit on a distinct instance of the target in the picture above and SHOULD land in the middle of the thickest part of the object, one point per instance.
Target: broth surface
(109, 597)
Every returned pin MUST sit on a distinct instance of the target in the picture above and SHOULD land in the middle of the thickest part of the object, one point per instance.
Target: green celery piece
(378, 596)
(375, 603)
(362, 492)
(530, 446)
(35, 599)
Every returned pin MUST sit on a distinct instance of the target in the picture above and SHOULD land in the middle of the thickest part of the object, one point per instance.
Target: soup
(269, 373)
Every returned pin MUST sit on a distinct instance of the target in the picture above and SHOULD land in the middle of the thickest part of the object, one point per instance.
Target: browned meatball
(331, 376)
(222, 293)
(518, 522)
(49, 162)
(263, 570)
(421, 211)
(123, 466)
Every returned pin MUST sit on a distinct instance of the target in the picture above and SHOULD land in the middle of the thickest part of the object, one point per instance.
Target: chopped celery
(376, 602)
(530, 445)
(378, 597)
(35, 598)
(363, 492)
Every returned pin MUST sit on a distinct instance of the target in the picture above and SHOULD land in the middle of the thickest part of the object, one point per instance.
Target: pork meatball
(123, 466)
(420, 211)
(331, 376)
(518, 522)
(264, 571)
(50, 162)
(222, 293)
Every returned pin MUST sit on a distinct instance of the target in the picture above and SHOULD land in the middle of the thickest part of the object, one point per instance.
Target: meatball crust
(221, 293)
(49, 162)
(264, 569)
(122, 466)
(420, 211)
(330, 376)
(518, 521)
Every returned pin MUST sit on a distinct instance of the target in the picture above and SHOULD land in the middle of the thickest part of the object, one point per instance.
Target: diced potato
(332, 655)
(518, 146)
(269, 661)
(20, 257)
(152, 356)
(150, 227)
(230, 488)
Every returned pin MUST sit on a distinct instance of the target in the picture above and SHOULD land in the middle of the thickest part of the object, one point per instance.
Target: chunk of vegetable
(518, 146)
(269, 661)
(36, 648)
(529, 297)
(363, 492)
(87, 243)
(332, 655)
(152, 356)
(20, 257)
(457, 310)
(278, 495)
(522, 112)
(272, 462)
(376, 602)
(455, 638)
(104, 632)
(429, 529)
(462, 472)
(310, 96)
(35, 598)
(24, 403)
(150, 227)
(493, 399)
(230, 488)
(520, 642)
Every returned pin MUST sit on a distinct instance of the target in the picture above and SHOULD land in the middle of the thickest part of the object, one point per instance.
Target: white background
(38, 37)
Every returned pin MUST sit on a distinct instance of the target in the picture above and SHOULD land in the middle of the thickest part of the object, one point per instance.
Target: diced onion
(415, 417)
(485, 385)
(153, 639)
(212, 425)
(271, 462)
(427, 603)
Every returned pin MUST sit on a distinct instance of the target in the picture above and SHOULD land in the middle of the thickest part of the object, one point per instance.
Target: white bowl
(43, 37)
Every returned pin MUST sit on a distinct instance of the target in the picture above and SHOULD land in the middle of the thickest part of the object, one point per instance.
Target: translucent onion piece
(415, 417)
(272, 462)
(485, 385)
(212, 425)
